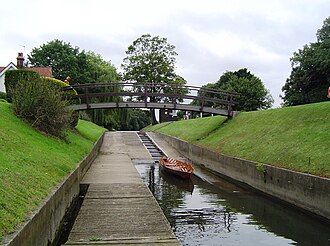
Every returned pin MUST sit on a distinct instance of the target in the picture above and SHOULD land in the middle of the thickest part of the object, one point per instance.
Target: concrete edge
(308, 192)
(41, 227)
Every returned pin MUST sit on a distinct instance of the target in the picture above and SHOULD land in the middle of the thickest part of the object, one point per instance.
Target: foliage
(59, 85)
(297, 138)
(310, 75)
(151, 60)
(99, 70)
(82, 67)
(138, 119)
(32, 164)
(253, 94)
(64, 60)
(3, 95)
(14, 77)
(260, 167)
(41, 104)
(324, 33)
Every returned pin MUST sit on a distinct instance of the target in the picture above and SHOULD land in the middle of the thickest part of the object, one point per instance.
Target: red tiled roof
(42, 71)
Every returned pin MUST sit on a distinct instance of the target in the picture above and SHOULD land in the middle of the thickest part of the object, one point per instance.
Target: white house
(42, 71)
(10, 66)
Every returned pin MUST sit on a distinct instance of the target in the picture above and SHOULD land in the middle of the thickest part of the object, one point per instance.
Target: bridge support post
(87, 98)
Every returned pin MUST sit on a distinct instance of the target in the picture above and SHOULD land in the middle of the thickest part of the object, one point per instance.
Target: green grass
(297, 138)
(32, 164)
(190, 130)
(89, 130)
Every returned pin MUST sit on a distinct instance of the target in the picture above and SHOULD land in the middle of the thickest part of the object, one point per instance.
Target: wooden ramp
(118, 208)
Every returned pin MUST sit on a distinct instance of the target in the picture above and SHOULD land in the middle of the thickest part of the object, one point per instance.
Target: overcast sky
(211, 36)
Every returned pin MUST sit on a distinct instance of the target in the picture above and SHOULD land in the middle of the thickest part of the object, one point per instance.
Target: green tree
(64, 60)
(310, 75)
(150, 60)
(99, 70)
(138, 119)
(253, 94)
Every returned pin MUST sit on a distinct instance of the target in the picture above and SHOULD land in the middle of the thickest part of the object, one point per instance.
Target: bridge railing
(153, 92)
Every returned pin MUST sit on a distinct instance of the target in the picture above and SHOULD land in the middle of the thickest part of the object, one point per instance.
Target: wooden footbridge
(152, 96)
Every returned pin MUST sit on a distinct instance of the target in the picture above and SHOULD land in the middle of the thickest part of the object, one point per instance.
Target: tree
(310, 75)
(82, 67)
(150, 60)
(253, 94)
(62, 58)
(99, 70)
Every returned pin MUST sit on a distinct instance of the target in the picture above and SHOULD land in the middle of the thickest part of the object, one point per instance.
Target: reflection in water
(220, 213)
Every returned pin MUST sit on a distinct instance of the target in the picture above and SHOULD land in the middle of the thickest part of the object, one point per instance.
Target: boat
(178, 168)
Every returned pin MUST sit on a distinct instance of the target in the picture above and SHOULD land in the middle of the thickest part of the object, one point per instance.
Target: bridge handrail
(172, 96)
(150, 85)
(169, 93)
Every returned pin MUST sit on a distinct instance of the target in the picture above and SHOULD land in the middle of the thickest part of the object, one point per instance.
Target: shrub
(59, 85)
(14, 77)
(41, 104)
(3, 95)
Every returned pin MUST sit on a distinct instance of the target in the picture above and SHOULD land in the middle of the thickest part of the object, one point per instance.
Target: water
(212, 211)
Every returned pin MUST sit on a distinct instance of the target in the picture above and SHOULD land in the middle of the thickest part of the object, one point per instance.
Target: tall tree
(99, 70)
(310, 75)
(64, 60)
(82, 67)
(150, 60)
(253, 94)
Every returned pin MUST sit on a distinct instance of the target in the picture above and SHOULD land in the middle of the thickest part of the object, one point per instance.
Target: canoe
(178, 168)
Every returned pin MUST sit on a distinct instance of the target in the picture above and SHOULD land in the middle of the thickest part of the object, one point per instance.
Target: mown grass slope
(297, 138)
(31, 164)
(189, 130)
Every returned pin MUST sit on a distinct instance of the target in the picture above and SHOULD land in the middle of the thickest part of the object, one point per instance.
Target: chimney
(20, 60)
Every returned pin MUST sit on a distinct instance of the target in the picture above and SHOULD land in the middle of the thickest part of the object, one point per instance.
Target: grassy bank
(297, 138)
(31, 164)
(191, 130)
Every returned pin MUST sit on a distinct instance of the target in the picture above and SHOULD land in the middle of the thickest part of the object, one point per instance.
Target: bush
(14, 77)
(58, 85)
(41, 104)
(3, 95)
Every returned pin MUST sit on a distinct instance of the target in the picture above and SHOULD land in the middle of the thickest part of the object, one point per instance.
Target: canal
(209, 210)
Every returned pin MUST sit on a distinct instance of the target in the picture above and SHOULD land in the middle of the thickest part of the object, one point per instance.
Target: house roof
(4, 69)
(42, 71)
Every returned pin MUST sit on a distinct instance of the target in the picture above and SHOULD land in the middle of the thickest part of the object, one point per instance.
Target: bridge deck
(118, 208)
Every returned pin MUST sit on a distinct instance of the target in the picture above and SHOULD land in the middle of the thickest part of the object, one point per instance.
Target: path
(118, 208)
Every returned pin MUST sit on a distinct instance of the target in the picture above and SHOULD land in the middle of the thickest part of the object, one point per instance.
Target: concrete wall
(305, 191)
(43, 225)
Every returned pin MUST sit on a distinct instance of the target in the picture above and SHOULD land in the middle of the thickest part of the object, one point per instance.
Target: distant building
(10, 66)
(42, 71)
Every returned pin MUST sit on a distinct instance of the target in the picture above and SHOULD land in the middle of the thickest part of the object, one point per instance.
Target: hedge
(14, 77)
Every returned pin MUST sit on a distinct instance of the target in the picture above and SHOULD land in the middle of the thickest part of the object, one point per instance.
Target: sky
(210, 36)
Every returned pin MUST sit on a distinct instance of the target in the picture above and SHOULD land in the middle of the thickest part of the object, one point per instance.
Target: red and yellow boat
(178, 168)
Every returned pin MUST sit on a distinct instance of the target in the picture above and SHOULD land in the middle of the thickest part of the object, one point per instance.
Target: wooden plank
(118, 208)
